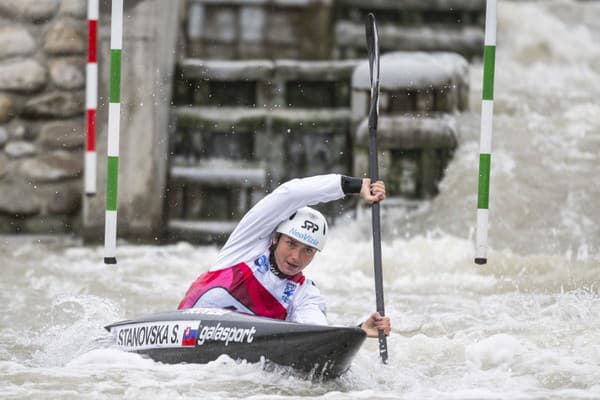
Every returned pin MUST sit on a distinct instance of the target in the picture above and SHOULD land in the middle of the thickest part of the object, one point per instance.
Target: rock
(55, 104)
(65, 200)
(3, 136)
(3, 165)
(19, 149)
(22, 75)
(73, 8)
(6, 110)
(52, 167)
(34, 10)
(62, 135)
(67, 74)
(18, 199)
(19, 132)
(65, 38)
(15, 41)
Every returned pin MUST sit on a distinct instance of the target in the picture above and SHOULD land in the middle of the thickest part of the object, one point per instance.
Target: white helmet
(307, 226)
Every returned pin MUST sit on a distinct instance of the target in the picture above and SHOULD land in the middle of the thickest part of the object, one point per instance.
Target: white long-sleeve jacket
(241, 278)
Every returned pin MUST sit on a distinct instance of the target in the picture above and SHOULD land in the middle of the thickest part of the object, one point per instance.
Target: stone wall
(43, 54)
(43, 48)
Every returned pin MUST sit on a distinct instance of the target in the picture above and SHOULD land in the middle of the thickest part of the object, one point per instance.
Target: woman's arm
(252, 235)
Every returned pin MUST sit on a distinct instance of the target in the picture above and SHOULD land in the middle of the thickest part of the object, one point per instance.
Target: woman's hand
(375, 323)
(372, 193)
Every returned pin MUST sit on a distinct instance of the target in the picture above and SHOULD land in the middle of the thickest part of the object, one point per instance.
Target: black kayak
(200, 335)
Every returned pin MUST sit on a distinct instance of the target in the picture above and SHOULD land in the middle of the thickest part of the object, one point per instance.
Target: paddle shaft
(373, 51)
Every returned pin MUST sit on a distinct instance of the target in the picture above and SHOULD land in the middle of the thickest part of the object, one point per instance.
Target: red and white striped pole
(91, 99)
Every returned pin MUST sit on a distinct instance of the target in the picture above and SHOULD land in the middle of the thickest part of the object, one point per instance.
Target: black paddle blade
(373, 53)
(370, 35)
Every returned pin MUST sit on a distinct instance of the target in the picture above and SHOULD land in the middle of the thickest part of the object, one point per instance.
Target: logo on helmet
(304, 237)
(310, 226)
(306, 225)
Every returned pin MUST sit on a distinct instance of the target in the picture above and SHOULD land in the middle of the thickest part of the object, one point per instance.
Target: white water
(526, 326)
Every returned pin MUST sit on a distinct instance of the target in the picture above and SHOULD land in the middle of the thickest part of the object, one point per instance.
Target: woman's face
(292, 256)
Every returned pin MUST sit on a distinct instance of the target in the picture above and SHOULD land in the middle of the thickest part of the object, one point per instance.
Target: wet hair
(275, 239)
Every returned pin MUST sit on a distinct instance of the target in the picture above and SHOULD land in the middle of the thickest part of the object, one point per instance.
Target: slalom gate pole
(114, 113)
(91, 99)
(373, 51)
(485, 144)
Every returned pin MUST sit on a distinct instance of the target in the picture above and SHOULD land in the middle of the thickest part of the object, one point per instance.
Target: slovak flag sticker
(189, 337)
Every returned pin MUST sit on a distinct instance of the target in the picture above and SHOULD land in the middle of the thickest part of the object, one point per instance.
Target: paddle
(373, 51)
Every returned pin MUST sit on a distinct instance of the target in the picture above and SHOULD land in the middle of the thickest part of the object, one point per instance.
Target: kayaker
(259, 270)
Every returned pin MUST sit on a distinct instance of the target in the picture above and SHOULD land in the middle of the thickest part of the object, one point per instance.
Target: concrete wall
(241, 29)
(148, 58)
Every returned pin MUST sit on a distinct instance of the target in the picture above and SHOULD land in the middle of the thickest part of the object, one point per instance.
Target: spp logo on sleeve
(310, 226)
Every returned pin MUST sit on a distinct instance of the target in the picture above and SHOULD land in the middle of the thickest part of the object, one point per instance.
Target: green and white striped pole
(485, 144)
(114, 114)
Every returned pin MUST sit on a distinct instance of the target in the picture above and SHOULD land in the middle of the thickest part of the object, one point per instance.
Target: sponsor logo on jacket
(288, 291)
(262, 263)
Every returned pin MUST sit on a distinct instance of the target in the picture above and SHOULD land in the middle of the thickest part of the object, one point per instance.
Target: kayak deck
(201, 335)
